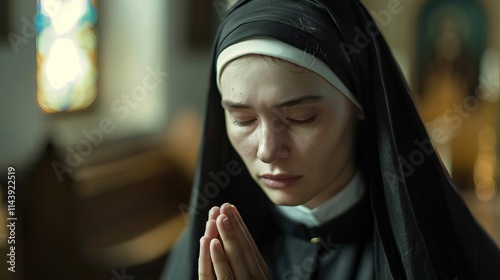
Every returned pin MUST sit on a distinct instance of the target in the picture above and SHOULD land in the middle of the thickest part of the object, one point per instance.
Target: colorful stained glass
(66, 54)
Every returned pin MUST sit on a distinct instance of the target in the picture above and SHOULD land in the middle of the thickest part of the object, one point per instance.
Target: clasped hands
(227, 250)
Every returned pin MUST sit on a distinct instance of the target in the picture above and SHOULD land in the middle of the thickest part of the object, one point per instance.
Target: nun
(314, 163)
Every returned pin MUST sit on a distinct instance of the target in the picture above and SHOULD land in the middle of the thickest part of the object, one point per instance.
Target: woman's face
(293, 129)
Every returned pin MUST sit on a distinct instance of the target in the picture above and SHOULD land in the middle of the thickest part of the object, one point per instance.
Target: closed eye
(243, 123)
(300, 122)
(288, 120)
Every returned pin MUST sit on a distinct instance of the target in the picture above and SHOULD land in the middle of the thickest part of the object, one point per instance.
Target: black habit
(412, 222)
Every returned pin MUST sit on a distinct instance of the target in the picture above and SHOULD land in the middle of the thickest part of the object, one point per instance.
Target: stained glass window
(66, 54)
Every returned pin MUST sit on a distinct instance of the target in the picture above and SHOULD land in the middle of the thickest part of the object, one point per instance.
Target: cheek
(241, 141)
(330, 144)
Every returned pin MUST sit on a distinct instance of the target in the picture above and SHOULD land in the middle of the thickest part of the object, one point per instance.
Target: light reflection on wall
(66, 54)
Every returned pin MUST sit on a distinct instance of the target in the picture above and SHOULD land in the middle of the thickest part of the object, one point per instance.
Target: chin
(285, 203)
(286, 199)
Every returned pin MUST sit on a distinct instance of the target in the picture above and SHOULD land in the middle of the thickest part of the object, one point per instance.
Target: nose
(272, 144)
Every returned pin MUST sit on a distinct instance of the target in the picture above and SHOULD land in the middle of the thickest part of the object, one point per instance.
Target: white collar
(332, 208)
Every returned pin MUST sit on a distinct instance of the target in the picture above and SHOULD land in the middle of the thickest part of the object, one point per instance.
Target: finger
(232, 248)
(221, 266)
(260, 259)
(211, 230)
(205, 267)
(214, 213)
(250, 251)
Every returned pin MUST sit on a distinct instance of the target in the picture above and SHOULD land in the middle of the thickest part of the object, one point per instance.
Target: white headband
(276, 48)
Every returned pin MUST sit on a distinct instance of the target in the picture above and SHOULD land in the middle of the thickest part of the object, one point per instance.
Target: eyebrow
(302, 100)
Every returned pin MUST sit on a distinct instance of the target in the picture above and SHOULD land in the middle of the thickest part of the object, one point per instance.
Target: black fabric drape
(423, 229)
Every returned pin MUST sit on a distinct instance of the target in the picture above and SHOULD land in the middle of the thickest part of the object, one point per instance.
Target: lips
(279, 181)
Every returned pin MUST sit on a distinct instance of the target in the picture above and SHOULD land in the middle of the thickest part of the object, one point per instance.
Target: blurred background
(101, 110)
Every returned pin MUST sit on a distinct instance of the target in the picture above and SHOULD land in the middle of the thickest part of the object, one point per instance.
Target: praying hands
(227, 250)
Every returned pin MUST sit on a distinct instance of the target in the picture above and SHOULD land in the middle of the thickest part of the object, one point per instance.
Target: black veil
(422, 228)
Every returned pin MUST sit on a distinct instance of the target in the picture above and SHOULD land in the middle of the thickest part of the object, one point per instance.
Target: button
(315, 240)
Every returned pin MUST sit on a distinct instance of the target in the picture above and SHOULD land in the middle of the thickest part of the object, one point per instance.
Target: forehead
(251, 62)
(269, 60)
(255, 74)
